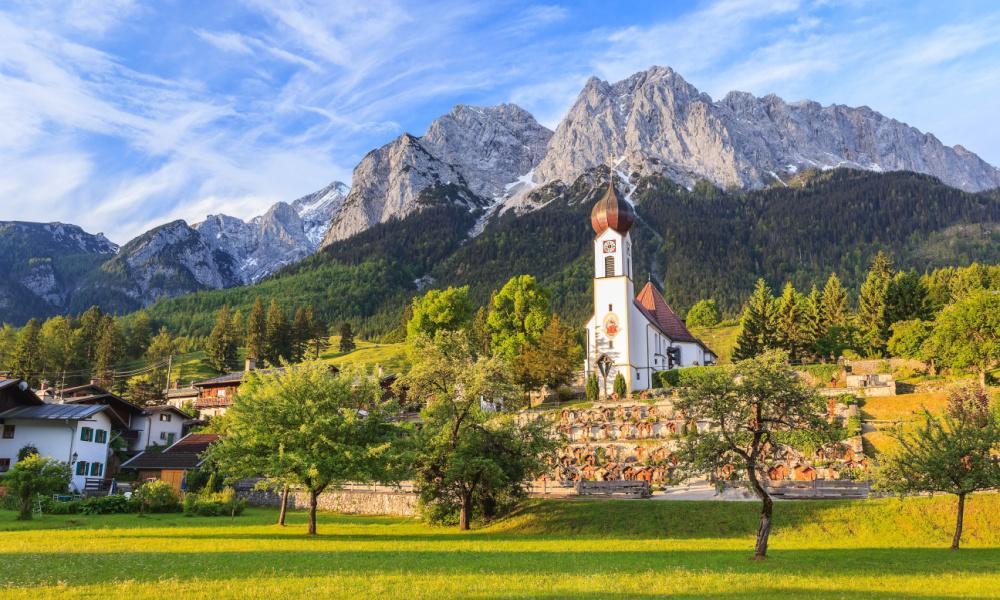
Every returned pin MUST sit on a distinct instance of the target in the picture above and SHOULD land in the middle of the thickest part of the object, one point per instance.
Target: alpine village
(662, 344)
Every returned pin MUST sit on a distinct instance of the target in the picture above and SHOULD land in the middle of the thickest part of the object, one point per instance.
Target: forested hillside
(698, 243)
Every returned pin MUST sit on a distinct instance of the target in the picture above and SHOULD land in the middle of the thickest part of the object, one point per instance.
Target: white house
(75, 434)
(164, 425)
(635, 335)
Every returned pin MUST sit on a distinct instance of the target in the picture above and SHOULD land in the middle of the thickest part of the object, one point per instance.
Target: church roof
(612, 211)
(652, 304)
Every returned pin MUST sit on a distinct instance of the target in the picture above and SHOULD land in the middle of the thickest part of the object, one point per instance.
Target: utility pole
(170, 365)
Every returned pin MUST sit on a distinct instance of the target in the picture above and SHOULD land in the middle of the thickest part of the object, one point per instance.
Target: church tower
(614, 290)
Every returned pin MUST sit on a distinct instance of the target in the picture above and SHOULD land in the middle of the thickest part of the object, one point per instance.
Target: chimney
(251, 364)
(93, 381)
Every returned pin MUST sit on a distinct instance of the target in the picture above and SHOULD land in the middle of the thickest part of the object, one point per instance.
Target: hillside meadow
(883, 548)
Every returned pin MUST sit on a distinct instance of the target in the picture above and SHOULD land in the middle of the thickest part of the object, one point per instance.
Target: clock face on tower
(609, 246)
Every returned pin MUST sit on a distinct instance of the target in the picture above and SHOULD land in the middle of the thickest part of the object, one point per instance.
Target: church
(635, 335)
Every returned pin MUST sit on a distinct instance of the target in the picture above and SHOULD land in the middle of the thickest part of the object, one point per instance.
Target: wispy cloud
(120, 115)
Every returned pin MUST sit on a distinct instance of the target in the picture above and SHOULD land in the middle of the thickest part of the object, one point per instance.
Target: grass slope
(551, 549)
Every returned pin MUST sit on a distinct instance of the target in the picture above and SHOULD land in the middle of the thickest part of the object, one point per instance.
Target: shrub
(214, 504)
(593, 388)
(35, 475)
(854, 426)
(26, 451)
(684, 377)
(106, 505)
(621, 388)
(157, 496)
(52, 507)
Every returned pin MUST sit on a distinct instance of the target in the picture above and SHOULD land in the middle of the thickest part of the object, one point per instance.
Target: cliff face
(656, 122)
(482, 149)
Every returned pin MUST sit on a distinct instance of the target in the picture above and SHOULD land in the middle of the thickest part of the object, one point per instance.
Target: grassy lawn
(391, 357)
(721, 339)
(551, 549)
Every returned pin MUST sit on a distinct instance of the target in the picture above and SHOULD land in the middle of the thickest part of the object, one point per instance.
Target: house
(78, 434)
(181, 397)
(172, 464)
(635, 335)
(216, 394)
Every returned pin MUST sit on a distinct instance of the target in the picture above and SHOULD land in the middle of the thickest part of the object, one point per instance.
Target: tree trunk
(313, 495)
(958, 522)
(766, 510)
(284, 506)
(982, 377)
(463, 517)
(25, 514)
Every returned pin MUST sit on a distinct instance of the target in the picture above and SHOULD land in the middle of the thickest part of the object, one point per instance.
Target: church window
(610, 309)
(609, 266)
(611, 343)
(638, 375)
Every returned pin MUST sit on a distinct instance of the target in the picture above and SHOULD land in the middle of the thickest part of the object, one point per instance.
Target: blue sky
(119, 115)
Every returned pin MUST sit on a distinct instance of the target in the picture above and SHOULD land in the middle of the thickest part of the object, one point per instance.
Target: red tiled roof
(194, 442)
(650, 301)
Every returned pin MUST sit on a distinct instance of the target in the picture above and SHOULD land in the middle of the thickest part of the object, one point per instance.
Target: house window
(8, 432)
(637, 375)
(163, 435)
(609, 266)
(86, 434)
(4, 465)
(221, 392)
(81, 467)
(101, 436)
(96, 469)
(164, 416)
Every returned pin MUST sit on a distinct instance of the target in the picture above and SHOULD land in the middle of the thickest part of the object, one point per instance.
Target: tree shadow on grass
(102, 567)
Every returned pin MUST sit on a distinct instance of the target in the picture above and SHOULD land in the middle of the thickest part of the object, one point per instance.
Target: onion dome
(612, 211)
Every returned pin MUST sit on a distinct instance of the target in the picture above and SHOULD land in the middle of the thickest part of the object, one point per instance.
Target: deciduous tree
(449, 309)
(518, 314)
(967, 334)
(32, 476)
(704, 313)
(749, 406)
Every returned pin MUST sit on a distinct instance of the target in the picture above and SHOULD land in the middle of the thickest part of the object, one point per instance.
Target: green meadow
(883, 548)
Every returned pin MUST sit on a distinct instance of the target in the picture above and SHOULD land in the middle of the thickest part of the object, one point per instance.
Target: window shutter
(609, 266)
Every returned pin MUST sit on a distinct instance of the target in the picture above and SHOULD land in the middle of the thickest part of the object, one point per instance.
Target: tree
(449, 309)
(221, 348)
(750, 405)
(967, 334)
(790, 322)
(301, 333)
(110, 349)
(953, 454)
(144, 390)
(277, 339)
(554, 361)
(35, 475)
(908, 338)
(873, 304)
(704, 313)
(757, 324)
(835, 309)
(518, 314)
(319, 335)
(256, 337)
(89, 332)
(814, 325)
(56, 340)
(620, 387)
(469, 458)
(346, 337)
(139, 332)
(907, 298)
(305, 426)
(26, 359)
(593, 388)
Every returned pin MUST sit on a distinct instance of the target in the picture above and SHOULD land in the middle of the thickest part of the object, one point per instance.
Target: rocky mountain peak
(481, 148)
(659, 123)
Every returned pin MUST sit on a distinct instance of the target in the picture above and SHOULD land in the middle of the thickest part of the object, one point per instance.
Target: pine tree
(872, 304)
(277, 336)
(319, 335)
(790, 321)
(757, 323)
(346, 337)
(236, 328)
(139, 333)
(301, 332)
(814, 323)
(26, 358)
(88, 334)
(907, 298)
(256, 330)
(221, 348)
(110, 350)
(835, 309)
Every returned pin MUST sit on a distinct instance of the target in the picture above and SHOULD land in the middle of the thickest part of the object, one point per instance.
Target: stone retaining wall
(343, 501)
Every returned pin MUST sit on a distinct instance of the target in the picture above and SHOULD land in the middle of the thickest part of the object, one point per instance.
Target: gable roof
(184, 454)
(11, 389)
(167, 407)
(654, 307)
(120, 409)
(53, 412)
